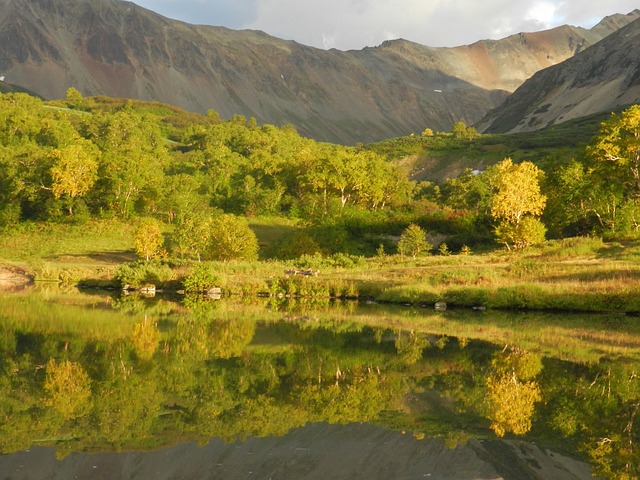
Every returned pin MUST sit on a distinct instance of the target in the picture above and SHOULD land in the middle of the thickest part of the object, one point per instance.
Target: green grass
(581, 274)
(51, 250)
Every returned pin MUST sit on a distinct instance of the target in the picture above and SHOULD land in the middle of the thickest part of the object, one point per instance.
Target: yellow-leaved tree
(517, 203)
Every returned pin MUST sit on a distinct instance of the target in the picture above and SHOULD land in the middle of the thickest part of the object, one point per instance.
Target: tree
(517, 194)
(616, 150)
(132, 162)
(74, 172)
(471, 133)
(148, 238)
(75, 99)
(413, 241)
(230, 238)
(529, 231)
(459, 129)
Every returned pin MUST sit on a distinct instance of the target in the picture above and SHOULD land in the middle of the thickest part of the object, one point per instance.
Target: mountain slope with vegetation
(118, 49)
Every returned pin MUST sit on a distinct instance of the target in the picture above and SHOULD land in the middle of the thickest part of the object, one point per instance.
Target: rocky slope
(603, 78)
(115, 48)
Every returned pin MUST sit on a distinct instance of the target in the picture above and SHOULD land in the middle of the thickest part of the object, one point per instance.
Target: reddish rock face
(117, 49)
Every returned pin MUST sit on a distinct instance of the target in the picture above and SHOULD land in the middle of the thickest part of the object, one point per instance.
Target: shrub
(136, 274)
(201, 278)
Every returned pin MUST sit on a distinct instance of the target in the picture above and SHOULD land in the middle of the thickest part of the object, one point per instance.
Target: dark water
(94, 386)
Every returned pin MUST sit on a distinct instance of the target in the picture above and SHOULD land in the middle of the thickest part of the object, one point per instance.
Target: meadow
(579, 274)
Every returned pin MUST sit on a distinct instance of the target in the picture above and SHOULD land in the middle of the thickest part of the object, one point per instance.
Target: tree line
(83, 158)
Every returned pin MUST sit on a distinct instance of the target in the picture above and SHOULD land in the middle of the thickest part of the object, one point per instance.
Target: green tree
(132, 163)
(230, 238)
(190, 237)
(413, 241)
(75, 99)
(615, 151)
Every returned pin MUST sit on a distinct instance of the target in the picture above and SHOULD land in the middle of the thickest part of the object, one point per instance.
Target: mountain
(602, 78)
(115, 48)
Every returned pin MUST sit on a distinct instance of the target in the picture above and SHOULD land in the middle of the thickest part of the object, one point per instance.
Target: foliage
(529, 231)
(137, 274)
(517, 197)
(230, 238)
(148, 238)
(413, 241)
(201, 278)
(517, 191)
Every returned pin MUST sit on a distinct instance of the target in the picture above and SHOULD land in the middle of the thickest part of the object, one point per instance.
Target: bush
(136, 274)
(201, 278)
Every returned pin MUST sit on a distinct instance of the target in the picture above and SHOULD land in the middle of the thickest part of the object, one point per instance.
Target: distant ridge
(602, 78)
(115, 48)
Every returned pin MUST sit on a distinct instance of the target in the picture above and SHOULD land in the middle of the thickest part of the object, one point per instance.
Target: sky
(355, 24)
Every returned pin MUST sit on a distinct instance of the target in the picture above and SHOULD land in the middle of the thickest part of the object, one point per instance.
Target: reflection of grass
(53, 311)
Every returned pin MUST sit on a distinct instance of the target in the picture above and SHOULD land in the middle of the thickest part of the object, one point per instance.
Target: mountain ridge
(604, 77)
(118, 49)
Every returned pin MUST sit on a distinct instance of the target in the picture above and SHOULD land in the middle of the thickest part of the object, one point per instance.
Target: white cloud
(542, 12)
(354, 24)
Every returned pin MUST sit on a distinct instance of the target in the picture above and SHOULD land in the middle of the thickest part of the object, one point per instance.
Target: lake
(95, 385)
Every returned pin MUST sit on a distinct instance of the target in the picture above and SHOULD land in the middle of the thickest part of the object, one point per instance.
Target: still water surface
(99, 386)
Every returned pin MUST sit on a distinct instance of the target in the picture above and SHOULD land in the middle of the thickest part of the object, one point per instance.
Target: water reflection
(92, 373)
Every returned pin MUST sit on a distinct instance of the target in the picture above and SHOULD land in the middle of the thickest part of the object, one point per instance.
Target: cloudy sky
(354, 24)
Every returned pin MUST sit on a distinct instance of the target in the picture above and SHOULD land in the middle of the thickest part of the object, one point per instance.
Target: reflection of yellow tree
(512, 392)
(145, 338)
(69, 388)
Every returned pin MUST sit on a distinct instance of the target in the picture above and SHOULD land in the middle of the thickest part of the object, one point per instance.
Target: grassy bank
(580, 274)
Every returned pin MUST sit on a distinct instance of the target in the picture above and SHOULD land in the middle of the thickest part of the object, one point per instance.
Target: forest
(84, 158)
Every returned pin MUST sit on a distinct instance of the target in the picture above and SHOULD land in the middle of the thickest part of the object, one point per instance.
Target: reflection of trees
(68, 387)
(214, 338)
(410, 345)
(610, 432)
(126, 407)
(511, 391)
(193, 375)
(145, 338)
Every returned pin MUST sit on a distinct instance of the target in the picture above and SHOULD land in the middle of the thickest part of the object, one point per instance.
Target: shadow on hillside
(113, 257)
